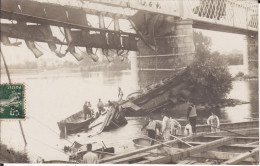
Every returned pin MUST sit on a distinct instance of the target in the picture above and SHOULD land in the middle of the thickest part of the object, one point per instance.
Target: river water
(53, 96)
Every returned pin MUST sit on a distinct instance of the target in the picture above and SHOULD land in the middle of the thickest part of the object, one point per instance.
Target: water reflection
(246, 91)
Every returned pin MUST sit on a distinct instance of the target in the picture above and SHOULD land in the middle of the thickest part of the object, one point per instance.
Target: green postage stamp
(12, 101)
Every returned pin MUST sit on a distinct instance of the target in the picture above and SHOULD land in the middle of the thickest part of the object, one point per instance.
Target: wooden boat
(74, 123)
(110, 118)
(229, 126)
(234, 129)
(77, 151)
(101, 153)
(141, 142)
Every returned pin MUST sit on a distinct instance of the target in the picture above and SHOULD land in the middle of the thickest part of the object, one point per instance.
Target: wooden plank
(186, 153)
(250, 131)
(185, 162)
(228, 126)
(130, 104)
(243, 156)
(157, 160)
(130, 158)
(254, 143)
(149, 148)
(231, 145)
(220, 156)
(217, 137)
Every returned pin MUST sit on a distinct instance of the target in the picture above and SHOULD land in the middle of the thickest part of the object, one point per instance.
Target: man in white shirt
(90, 157)
(188, 129)
(213, 121)
(175, 126)
(166, 127)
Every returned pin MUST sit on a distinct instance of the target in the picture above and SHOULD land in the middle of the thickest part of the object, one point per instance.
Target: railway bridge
(163, 33)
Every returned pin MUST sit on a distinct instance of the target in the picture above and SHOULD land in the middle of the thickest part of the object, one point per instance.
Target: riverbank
(8, 155)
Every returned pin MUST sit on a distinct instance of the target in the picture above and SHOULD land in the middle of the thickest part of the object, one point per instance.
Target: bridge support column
(251, 58)
(175, 50)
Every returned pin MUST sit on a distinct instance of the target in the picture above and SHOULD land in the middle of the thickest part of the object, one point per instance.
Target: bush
(240, 74)
(208, 73)
(10, 156)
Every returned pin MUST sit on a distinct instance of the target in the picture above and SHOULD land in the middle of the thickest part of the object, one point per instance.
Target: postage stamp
(12, 101)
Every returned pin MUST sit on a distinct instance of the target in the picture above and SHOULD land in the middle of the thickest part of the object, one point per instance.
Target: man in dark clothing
(86, 111)
(150, 128)
(191, 117)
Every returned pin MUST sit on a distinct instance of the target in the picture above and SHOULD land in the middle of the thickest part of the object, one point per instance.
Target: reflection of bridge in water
(164, 27)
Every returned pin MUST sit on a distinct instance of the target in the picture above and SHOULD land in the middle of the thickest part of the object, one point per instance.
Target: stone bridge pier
(173, 49)
(251, 61)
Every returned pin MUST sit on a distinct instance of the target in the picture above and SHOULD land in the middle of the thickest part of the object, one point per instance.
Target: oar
(158, 141)
(104, 144)
(181, 140)
(229, 131)
(105, 152)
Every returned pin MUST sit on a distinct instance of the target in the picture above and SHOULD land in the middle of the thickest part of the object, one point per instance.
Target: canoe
(74, 123)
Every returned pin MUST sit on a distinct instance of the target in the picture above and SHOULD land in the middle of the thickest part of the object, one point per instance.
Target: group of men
(190, 128)
(168, 128)
(88, 111)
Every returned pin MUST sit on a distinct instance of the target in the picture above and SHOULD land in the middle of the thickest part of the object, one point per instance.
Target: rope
(6, 67)
(49, 128)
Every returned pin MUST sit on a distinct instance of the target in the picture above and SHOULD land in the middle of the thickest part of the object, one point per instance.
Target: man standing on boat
(120, 94)
(150, 128)
(175, 126)
(90, 157)
(166, 127)
(86, 110)
(192, 117)
(100, 106)
(213, 121)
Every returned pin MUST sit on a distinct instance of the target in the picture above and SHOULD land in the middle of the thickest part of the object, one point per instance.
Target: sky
(225, 42)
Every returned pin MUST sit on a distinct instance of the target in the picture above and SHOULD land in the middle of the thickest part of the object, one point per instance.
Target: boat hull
(110, 119)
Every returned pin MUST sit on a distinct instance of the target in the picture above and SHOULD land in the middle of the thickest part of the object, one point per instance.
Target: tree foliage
(208, 73)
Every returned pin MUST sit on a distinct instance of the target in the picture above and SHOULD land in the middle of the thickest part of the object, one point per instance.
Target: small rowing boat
(77, 151)
(111, 118)
(74, 123)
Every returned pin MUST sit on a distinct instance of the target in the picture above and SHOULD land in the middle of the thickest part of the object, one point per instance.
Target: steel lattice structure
(241, 14)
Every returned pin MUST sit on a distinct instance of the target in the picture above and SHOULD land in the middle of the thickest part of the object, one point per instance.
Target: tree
(208, 73)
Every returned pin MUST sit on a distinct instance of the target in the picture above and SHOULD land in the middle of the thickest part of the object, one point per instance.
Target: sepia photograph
(129, 82)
